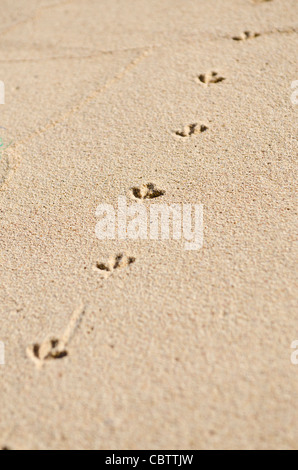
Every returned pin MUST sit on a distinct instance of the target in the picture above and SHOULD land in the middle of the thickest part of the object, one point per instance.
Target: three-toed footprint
(191, 129)
(210, 78)
(245, 36)
(53, 347)
(146, 191)
(115, 262)
(49, 349)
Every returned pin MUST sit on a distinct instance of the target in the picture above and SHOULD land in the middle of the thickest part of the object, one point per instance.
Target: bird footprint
(245, 36)
(49, 349)
(55, 348)
(192, 129)
(115, 262)
(146, 191)
(209, 78)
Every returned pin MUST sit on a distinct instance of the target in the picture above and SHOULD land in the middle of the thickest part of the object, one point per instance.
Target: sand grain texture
(177, 350)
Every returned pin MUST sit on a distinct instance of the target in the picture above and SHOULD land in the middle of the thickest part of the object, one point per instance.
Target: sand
(159, 348)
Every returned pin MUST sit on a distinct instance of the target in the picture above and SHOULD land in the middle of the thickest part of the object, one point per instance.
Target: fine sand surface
(173, 349)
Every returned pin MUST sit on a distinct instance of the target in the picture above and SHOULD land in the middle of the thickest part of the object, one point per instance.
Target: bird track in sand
(146, 191)
(53, 347)
(119, 261)
(191, 129)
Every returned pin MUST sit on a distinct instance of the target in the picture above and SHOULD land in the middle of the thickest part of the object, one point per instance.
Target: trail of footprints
(54, 348)
(212, 78)
(144, 192)
(194, 129)
(57, 348)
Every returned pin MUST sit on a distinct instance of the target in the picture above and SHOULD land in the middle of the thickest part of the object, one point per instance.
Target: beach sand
(163, 348)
